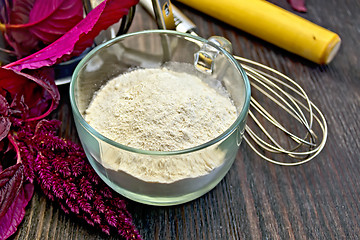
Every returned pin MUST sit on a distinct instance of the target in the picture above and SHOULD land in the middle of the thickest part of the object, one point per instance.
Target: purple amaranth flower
(63, 173)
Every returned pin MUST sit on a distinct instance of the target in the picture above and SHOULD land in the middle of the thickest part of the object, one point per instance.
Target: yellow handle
(275, 25)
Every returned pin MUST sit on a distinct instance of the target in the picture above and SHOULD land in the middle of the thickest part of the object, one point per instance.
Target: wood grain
(256, 199)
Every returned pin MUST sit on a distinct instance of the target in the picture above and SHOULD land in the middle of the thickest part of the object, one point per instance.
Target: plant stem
(16, 147)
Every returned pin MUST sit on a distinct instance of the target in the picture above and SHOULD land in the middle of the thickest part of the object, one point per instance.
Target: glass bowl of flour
(160, 114)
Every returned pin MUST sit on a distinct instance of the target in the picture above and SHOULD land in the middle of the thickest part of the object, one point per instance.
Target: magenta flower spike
(61, 169)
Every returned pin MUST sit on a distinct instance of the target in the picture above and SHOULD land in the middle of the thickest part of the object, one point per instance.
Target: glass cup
(154, 49)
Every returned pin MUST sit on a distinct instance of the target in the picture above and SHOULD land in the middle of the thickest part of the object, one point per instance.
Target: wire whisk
(297, 111)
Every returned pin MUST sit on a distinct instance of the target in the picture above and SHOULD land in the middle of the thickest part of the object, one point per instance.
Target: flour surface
(160, 110)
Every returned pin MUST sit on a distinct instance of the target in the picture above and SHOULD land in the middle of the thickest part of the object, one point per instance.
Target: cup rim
(241, 117)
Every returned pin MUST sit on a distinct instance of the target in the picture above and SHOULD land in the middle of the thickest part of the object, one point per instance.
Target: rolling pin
(275, 25)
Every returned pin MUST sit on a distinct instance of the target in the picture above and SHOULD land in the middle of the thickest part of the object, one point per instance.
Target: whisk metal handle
(164, 14)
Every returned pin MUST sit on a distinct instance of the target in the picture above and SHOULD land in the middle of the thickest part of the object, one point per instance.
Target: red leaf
(50, 97)
(50, 19)
(19, 11)
(38, 92)
(5, 123)
(16, 212)
(298, 5)
(78, 38)
(20, 40)
(11, 181)
(4, 106)
(47, 21)
(4, 11)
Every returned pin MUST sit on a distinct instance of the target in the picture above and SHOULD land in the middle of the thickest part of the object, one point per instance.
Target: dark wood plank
(256, 199)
